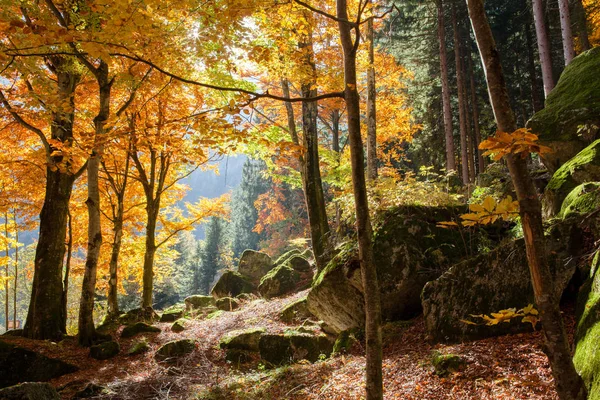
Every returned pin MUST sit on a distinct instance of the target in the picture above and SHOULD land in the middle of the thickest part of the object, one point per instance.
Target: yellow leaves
(489, 211)
(529, 314)
(521, 141)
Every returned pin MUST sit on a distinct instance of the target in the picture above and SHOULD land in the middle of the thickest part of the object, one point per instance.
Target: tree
(544, 49)
(210, 257)
(565, 27)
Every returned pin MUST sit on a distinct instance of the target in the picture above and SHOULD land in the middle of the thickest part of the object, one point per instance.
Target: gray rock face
(29, 391)
(296, 311)
(104, 351)
(19, 365)
(254, 265)
(231, 284)
(175, 349)
(288, 348)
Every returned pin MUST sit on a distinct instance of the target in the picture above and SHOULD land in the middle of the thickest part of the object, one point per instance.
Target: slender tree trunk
(113, 303)
(568, 384)
(371, 107)
(462, 117)
(567, 34)
(65, 291)
(581, 20)
(543, 46)
(15, 285)
(450, 161)
(148, 275)
(335, 146)
(475, 108)
(374, 385)
(468, 112)
(537, 101)
(6, 295)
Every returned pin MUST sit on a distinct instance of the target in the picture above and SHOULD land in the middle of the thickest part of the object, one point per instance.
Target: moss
(231, 284)
(246, 339)
(583, 199)
(286, 256)
(280, 280)
(215, 314)
(138, 347)
(446, 363)
(345, 341)
(175, 349)
(227, 304)
(198, 301)
(295, 310)
(179, 325)
(139, 327)
(345, 252)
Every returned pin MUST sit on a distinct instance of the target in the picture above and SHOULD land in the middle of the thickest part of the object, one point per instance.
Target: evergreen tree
(211, 256)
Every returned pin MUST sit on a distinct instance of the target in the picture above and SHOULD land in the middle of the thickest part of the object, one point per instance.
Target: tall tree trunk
(449, 136)
(44, 316)
(537, 101)
(581, 21)
(374, 385)
(65, 291)
(568, 384)
(371, 107)
(462, 117)
(6, 295)
(468, 107)
(148, 274)
(335, 146)
(15, 285)
(543, 46)
(565, 28)
(112, 298)
(475, 108)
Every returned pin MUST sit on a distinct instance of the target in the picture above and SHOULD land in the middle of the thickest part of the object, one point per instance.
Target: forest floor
(508, 367)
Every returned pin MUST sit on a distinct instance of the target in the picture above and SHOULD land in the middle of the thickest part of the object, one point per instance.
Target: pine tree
(211, 260)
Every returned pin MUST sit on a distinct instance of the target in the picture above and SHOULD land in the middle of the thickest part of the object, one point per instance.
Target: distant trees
(211, 256)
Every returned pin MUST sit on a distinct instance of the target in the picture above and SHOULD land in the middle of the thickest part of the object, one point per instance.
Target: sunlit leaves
(527, 314)
(522, 142)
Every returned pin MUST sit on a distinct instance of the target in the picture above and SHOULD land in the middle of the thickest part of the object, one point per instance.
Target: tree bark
(148, 275)
(475, 108)
(6, 295)
(112, 298)
(581, 20)
(15, 285)
(448, 130)
(537, 101)
(568, 384)
(543, 46)
(462, 117)
(374, 384)
(65, 292)
(565, 28)
(371, 107)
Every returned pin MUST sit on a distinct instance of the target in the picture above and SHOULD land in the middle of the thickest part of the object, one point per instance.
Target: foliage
(529, 315)
(521, 142)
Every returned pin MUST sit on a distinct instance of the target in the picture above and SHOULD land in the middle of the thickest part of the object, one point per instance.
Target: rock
(279, 281)
(299, 264)
(231, 284)
(90, 390)
(246, 339)
(296, 311)
(286, 256)
(289, 348)
(443, 364)
(583, 168)
(254, 265)
(104, 351)
(584, 199)
(178, 326)
(19, 365)
(227, 304)
(137, 315)
(139, 327)
(570, 119)
(173, 313)
(344, 341)
(138, 347)
(239, 356)
(492, 282)
(175, 349)
(245, 297)
(29, 391)
(197, 302)
(13, 332)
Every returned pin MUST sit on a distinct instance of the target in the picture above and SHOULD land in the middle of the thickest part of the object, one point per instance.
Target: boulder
(197, 302)
(443, 364)
(173, 313)
(242, 339)
(179, 325)
(231, 284)
(291, 347)
(19, 365)
(29, 391)
(495, 281)
(279, 281)
(104, 351)
(570, 119)
(299, 263)
(286, 256)
(582, 168)
(254, 265)
(139, 327)
(137, 315)
(227, 304)
(138, 347)
(296, 311)
(584, 199)
(175, 349)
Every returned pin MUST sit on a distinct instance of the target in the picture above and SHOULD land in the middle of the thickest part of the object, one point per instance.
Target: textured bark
(462, 114)
(543, 46)
(6, 294)
(568, 384)
(65, 292)
(581, 21)
(112, 298)
(148, 274)
(449, 136)
(374, 385)
(371, 107)
(536, 100)
(475, 109)
(335, 146)
(16, 282)
(468, 109)
(565, 28)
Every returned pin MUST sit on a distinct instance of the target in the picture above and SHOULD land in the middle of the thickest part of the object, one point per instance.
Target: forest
(414, 211)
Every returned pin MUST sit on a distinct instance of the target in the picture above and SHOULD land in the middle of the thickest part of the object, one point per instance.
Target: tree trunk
(335, 146)
(65, 292)
(15, 285)
(371, 107)
(475, 108)
(148, 275)
(6, 295)
(543, 46)
(450, 161)
(568, 384)
(565, 28)
(537, 101)
(462, 117)
(374, 384)
(581, 20)
(113, 303)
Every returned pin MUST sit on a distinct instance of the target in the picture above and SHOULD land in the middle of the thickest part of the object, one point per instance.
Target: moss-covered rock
(286, 256)
(246, 339)
(173, 313)
(138, 347)
(295, 311)
(227, 304)
(137, 315)
(231, 284)
(197, 302)
(583, 168)
(299, 263)
(291, 347)
(104, 351)
(344, 341)
(139, 327)
(584, 199)
(179, 325)
(571, 118)
(254, 265)
(175, 349)
(279, 281)
(29, 391)
(443, 364)
(21, 365)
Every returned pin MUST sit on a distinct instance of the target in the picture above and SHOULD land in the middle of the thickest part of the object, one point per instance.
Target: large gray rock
(19, 365)
(175, 349)
(254, 265)
(279, 281)
(571, 118)
(29, 391)
(291, 347)
(232, 284)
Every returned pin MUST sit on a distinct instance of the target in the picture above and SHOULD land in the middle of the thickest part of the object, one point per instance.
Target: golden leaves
(522, 141)
(489, 211)
(529, 314)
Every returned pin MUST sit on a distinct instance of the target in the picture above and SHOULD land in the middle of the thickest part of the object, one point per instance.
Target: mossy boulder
(231, 284)
(137, 328)
(21, 365)
(443, 364)
(104, 351)
(345, 340)
(254, 265)
(175, 349)
(584, 199)
(179, 325)
(582, 168)
(291, 347)
(286, 256)
(137, 315)
(299, 263)
(138, 347)
(279, 281)
(227, 304)
(246, 339)
(173, 313)
(197, 302)
(29, 391)
(295, 311)
(571, 118)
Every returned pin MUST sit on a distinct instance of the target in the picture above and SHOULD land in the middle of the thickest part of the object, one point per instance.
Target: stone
(104, 351)
(279, 281)
(19, 365)
(246, 339)
(138, 315)
(570, 119)
(139, 327)
(179, 325)
(245, 297)
(175, 349)
(29, 391)
(90, 390)
(584, 199)
(299, 263)
(197, 302)
(286, 256)
(344, 341)
(254, 265)
(291, 347)
(138, 347)
(443, 364)
(583, 168)
(231, 284)
(227, 304)
(295, 311)
(173, 313)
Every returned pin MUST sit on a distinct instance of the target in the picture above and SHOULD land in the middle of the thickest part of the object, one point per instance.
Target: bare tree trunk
(462, 117)
(335, 146)
(581, 20)
(6, 295)
(567, 34)
(148, 275)
(374, 386)
(450, 161)
(112, 298)
(15, 285)
(475, 108)
(568, 384)
(371, 107)
(537, 102)
(543, 46)
(65, 284)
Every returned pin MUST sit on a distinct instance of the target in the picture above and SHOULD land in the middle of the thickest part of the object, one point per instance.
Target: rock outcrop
(254, 265)
(197, 302)
(104, 351)
(290, 347)
(232, 284)
(29, 391)
(139, 327)
(175, 349)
